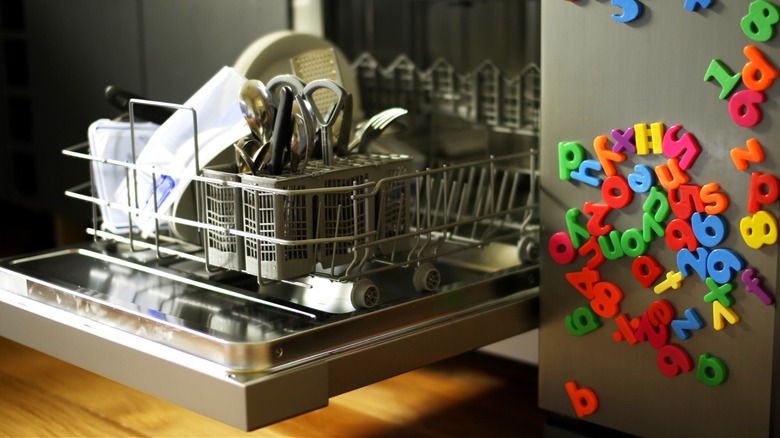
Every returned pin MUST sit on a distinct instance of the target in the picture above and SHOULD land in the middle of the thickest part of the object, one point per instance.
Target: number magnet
(721, 73)
(759, 23)
(759, 230)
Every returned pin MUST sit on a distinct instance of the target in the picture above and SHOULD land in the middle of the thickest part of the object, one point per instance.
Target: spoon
(244, 153)
(256, 104)
(304, 132)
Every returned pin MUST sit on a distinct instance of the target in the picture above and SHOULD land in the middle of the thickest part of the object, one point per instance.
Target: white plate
(218, 151)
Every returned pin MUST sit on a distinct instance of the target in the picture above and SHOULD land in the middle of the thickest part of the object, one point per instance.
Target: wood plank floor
(470, 395)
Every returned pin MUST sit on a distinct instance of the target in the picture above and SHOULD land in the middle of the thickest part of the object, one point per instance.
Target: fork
(373, 128)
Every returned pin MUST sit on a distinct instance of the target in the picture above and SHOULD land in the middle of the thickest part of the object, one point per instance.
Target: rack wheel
(426, 277)
(365, 294)
(528, 249)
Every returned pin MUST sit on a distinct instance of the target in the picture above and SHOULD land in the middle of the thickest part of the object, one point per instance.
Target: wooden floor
(471, 395)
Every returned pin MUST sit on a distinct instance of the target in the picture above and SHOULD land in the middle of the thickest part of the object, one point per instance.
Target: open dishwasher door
(247, 358)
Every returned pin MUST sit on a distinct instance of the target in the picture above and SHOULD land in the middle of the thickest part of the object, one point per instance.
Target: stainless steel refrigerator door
(600, 75)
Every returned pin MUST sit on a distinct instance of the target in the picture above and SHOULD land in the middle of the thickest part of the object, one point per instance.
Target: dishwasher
(273, 290)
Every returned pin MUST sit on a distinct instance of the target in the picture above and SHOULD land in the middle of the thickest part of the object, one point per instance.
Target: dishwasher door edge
(251, 401)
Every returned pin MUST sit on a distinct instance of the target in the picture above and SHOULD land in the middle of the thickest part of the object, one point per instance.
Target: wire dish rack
(360, 215)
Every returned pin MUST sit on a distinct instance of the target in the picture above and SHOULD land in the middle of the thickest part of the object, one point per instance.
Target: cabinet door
(76, 49)
(187, 41)
(164, 50)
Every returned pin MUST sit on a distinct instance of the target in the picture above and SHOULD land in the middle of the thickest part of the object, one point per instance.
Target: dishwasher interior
(278, 290)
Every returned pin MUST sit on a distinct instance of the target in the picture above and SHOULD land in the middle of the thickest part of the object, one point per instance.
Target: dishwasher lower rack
(361, 215)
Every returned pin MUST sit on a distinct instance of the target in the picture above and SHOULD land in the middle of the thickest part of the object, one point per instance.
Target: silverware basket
(223, 208)
(294, 221)
(363, 213)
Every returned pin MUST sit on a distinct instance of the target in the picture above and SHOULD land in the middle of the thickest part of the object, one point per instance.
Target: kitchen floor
(470, 395)
(475, 394)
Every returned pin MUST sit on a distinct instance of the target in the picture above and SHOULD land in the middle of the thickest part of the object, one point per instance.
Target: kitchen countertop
(475, 394)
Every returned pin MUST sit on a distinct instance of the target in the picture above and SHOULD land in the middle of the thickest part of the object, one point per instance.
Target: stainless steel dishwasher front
(236, 358)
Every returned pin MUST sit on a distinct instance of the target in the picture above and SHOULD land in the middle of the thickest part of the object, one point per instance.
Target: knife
(282, 135)
(120, 99)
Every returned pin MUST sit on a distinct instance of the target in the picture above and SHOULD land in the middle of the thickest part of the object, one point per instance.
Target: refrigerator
(659, 215)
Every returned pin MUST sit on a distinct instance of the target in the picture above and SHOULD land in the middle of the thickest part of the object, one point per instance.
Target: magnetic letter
(657, 204)
(753, 285)
(577, 231)
(632, 9)
(623, 140)
(626, 329)
(610, 245)
(633, 243)
(570, 156)
(673, 359)
(744, 108)
(646, 269)
(691, 5)
(758, 74)
(607, 157)
(764, 190)
(616, 192)
(647, 331)
(647, 142)
(670, 175)
(560, 248)
(592, 245)
(642, 179)
(673, 280)
(660, 312)
(711, 370)
(650, 227)
(721, 314)
(753, 153)
(584, 400)
(714, 201)
(583, 174)
(719, 292)
(582, 321)
(679, 235)
(686, 148)
(692, 321)
(596, 225)
(685, 199)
